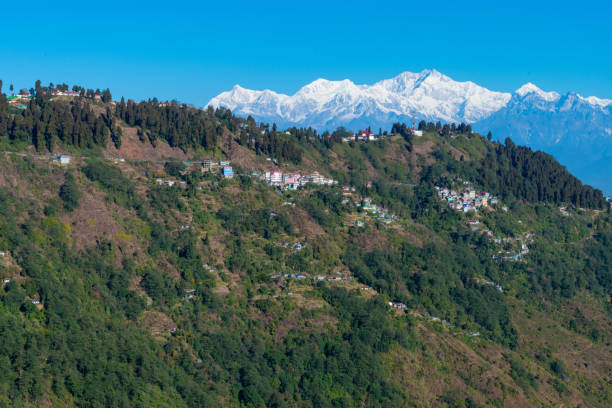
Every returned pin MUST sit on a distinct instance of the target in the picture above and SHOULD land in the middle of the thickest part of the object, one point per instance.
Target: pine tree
(106, 96)
(37, 137)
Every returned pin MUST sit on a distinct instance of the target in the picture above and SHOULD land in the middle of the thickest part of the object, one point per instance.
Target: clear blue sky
(191, 51)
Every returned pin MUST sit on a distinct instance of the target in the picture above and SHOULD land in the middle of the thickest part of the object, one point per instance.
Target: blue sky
(193, 50)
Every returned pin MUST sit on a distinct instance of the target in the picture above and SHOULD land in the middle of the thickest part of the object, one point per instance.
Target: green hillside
(437, 271)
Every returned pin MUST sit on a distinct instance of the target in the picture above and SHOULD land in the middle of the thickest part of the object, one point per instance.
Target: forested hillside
(162, 283)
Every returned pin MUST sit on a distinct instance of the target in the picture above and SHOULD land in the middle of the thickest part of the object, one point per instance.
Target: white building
(276, 177)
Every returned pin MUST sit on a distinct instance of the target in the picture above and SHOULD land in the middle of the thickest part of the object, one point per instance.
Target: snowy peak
(400, 83)
(239, 96)
(530, 88)
(323, 90)
(407, 82)
(529, 96)
(567, 100)
(595, 101)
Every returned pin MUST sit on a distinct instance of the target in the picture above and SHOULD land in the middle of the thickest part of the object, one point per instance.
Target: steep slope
(161, 283)
(190, 296)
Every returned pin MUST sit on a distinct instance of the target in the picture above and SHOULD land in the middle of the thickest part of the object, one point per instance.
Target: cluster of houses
(467, 199)
(425, 315)
(507, 256)
(169, 183)
(207, 165)
(298, 246)
(61, 159)
(366, 204)
(503, 255)
(366, 135)
(338, 277)
(212, 164)
(398, 305)
(490, 283)
(298, 276)
(514, 255)
(292, 181)
(59, 92)
(361, 136)
(474, 225)
(378, 213)
(225, 165)
(524, 248)
(19, 100)
(226, 169)
(25, 95)
(318, 278)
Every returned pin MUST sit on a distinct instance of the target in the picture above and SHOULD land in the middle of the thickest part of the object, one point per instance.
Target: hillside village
(292, 181)
(240, 238)
(466, 200)
(463, 200)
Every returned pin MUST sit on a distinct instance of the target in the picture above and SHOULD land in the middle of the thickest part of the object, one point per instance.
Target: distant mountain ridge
(325, 104)
(576, 129)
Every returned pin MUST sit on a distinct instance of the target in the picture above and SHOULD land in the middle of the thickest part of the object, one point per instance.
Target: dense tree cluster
(45, 123)
(443, 284)
(405, 132)
(179, 125)
(339, 369)
(270, 142)
(518, 171)
(69, 193)
(446, 129)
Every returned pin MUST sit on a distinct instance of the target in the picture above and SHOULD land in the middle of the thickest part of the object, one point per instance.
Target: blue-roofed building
(228, 172)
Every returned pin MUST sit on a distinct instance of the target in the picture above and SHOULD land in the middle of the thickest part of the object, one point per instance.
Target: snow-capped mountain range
(327, 104)
(576, 129)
